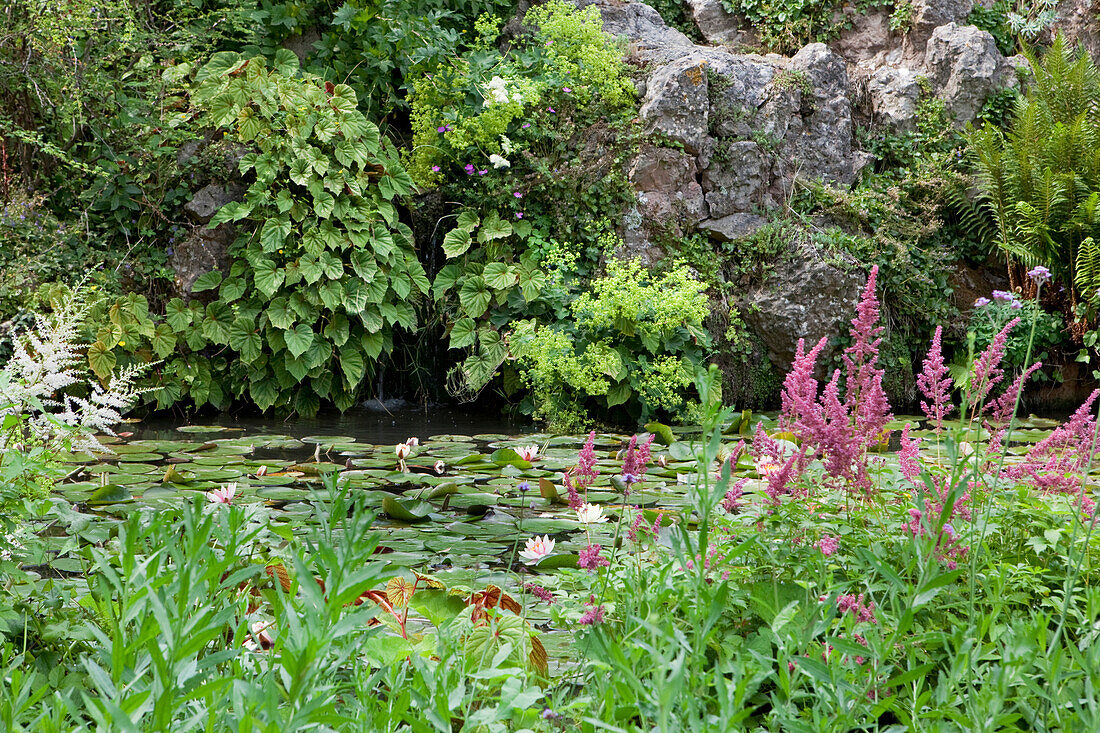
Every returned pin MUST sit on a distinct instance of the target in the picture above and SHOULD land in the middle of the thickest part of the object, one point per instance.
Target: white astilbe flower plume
(46, 360)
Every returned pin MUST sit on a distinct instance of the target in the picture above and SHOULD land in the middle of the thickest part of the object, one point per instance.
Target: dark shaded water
(370, 424)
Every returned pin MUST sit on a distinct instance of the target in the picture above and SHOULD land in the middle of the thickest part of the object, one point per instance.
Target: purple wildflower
(444, 128)
(1003, 295)
(517, 194)
(435, 169)
(469, 168)
(550, 110)
(1039, 274)
(483, 172)
(519, 214)
(982, 302)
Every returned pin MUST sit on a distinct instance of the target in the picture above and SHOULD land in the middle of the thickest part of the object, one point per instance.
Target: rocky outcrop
(965, 67)
(748, 125)
(784, 310)
(894, 94)
(1079, 22)
(718, 26)
(927, 16)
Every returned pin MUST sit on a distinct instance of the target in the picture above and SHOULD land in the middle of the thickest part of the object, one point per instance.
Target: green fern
(1087, 277)
(1040, 178)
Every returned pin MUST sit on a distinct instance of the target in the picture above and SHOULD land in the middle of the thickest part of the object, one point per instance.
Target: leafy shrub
(473, 114)
(784, 26)
(377, 47)
(325, 273)
(1049, 334)
(634, 339)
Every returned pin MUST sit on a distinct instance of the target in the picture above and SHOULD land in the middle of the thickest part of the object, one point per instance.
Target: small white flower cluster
(45, 361)
(498, 92)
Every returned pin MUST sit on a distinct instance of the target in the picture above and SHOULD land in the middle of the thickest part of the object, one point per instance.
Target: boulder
(965, 67)
(643, 27)
(738, 178)
(927, 16)
(200, 252)
(783, 309)
(668, 192)
(208, 199)
(865, 34)
(733, 227)
(718, 26)
(820, 136)
(676, 103)
(894, 94)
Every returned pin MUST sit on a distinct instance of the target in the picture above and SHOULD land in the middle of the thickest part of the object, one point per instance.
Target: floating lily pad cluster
(462, 500)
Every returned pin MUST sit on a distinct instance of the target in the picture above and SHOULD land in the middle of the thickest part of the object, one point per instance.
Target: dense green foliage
(1041, 177)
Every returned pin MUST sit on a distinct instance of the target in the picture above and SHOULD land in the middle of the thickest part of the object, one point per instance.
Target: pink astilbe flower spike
(636, 460)
(586, 460)
(732, 500)
(581, 476)
(907, 456)
(1001, 411)
(986, 372)
(864, 395)
(1056, 463)
(934, 383)
(800, 411)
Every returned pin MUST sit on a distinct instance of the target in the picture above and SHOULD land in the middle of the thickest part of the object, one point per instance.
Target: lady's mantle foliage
(326, 273)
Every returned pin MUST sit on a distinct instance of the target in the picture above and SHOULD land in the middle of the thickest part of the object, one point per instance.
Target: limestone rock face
(717, 25)
(966, 67)
(1079, 22)
(676, 103)
(894, 94)
(208, 199)
(785, 310)
(641, 25)
(667, 187)
(928, 15)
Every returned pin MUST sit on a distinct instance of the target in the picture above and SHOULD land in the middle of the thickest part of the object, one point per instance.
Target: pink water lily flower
(440, 467)
(537, 548)
(528, 452)
(259, 637)
(224, 495)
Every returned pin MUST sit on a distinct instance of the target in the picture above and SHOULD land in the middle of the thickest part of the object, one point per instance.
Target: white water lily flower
(402, 450)
(537, 548)
(499, 162)
(528, 452)
(590, 514)
(412, 442)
